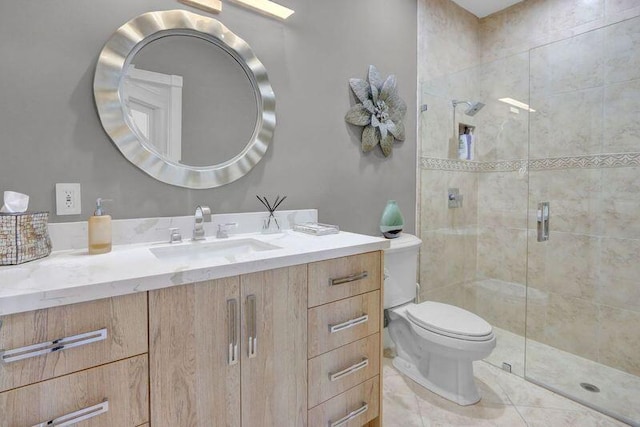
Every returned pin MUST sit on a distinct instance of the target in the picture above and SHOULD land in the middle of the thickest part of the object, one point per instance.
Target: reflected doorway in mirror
(154, 102)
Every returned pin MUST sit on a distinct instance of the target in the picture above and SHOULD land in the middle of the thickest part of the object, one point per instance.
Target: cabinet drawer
(353, 408)
(340, 278)
(341, 322)
(111, 395)
(343, 368)
(48, 343)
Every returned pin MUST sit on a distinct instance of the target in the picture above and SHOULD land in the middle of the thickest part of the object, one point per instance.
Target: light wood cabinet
(274, 379)
(341, 322)
(345, 347)
(43, 344)
(106, 396)
(83, 362)
(340, 278)
(282, 347)
(205, 373)
(345, 367)
(355, 407)
(193, 382)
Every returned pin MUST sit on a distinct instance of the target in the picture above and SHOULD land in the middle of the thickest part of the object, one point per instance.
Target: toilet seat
(450, 321)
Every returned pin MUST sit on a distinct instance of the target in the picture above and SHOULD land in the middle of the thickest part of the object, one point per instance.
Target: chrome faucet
(203, 214)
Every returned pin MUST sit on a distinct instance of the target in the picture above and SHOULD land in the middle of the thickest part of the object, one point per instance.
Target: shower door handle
(543, 221)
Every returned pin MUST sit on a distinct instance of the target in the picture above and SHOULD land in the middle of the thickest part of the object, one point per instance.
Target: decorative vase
(392, 220)
(270, 225)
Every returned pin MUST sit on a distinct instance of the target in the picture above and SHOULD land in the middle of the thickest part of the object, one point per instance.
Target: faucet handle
(175, 236)
(223, 229)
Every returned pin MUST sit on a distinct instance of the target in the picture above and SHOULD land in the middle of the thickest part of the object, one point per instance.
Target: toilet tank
(400, 268)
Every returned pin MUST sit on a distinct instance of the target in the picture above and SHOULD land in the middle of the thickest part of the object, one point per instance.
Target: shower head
(474, 107)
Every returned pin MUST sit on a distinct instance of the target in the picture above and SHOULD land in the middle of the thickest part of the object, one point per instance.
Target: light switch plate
(68, 201)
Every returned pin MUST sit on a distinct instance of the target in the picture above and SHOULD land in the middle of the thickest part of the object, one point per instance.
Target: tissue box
(24, 237)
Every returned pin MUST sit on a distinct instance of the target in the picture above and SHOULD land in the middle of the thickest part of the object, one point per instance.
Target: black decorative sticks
(271, 207)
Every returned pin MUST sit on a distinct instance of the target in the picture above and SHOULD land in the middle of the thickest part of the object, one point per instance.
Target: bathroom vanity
(288, 336)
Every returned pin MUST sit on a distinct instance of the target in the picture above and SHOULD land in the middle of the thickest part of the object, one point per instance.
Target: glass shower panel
(474, 254)
(583, 294)
(448, 253)
(499, 290)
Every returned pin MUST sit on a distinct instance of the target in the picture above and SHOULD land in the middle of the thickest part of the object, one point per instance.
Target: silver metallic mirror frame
(110, 70)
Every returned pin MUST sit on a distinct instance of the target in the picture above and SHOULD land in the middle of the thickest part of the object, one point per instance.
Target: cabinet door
(274, 350)
(194, 382)
(48, 343)
(107, 396)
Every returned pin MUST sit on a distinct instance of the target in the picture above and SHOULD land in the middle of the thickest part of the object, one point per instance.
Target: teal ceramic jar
(392, 221)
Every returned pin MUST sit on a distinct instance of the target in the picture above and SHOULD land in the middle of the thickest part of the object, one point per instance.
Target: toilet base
(440, 364)
(465, 392)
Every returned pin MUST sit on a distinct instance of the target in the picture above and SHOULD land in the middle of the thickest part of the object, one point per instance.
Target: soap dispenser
(99, 230)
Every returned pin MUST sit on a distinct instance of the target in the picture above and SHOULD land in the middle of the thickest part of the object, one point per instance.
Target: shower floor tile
(563, 372)
(507, 400)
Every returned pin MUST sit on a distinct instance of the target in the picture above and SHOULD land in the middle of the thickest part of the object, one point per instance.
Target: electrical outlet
(68, 200)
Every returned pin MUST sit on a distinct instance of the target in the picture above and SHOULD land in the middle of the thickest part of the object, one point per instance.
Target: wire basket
(24, 237)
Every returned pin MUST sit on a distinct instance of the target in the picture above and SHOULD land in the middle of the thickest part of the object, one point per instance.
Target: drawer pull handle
(48, 347)
(350, 370)
(77, 416)
(347, 279)
(232, 315)
(351, 415)
(348, 324)
(252, 326)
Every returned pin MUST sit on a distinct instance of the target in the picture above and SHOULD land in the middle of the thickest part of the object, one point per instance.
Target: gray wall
(50, 132)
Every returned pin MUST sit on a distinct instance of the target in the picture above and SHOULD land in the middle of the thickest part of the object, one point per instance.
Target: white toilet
(435, 343)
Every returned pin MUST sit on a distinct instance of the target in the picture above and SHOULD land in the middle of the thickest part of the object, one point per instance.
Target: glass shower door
(583, 289)
(474, 250)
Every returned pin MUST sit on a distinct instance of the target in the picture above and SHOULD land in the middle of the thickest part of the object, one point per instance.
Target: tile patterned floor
(508, 400)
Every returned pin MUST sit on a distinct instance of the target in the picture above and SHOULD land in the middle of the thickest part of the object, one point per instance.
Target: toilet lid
(449, 320)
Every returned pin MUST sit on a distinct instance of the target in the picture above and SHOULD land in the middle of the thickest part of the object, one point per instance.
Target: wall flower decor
(379, 110)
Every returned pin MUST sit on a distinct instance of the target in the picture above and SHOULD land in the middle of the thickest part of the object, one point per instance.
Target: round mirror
(184, 99)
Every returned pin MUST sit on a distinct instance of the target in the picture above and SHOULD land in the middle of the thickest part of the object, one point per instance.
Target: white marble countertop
(72, 276)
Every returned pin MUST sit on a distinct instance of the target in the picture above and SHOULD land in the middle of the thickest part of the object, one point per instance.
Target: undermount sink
(207, 250)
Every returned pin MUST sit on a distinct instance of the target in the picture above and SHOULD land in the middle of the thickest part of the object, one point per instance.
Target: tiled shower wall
(448, 252)
(577, 63)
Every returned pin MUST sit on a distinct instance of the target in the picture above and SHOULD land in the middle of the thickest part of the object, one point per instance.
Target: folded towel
(469, 148)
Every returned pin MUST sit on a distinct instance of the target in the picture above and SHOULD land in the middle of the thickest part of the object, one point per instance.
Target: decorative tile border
(521, 165)
(448, 164)
(472, 166)
(620, 160)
